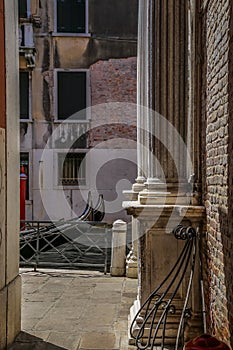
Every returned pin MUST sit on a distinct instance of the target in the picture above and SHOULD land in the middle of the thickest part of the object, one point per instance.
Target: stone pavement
(75, 310)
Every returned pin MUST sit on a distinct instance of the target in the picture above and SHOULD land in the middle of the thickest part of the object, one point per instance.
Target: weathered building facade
(75, 55)
(10, 285)
(185, 75)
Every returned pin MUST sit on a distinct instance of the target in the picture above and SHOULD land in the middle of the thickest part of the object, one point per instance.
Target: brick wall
(228, 237)
(113, 81)
(215, 116)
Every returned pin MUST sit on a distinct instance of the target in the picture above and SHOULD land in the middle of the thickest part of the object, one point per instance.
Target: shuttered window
(71, 16)
(71, 169)
(24, 95)
(71, 94)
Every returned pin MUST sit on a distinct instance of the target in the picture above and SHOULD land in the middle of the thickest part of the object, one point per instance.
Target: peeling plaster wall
(110, 45)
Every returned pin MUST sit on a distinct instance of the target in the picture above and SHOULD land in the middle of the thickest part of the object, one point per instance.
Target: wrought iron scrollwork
(150, 326)
(183, 232)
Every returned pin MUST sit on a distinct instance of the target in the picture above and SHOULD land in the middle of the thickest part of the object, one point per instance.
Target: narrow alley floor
(74, 310)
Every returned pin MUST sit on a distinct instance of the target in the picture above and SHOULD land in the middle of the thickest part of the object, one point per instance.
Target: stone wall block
(3, 304)
(13, 309)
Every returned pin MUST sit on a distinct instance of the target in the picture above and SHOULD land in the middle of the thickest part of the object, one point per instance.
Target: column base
(137, 187)
(131, 265)
(165, 194)
(133, 311)
(147, 197)
(131, 195)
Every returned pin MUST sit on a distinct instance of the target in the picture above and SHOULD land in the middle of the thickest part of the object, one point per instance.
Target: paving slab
(29, 323)
(58, 324)
(39, 309)
(100, 341)
(99, 316)
(69, 341)
(74, 310)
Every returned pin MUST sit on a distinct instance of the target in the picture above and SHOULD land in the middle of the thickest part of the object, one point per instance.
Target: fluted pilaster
(162, 90)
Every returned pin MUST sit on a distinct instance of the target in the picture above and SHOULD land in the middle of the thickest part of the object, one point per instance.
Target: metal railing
(65, 244)
(150, 327)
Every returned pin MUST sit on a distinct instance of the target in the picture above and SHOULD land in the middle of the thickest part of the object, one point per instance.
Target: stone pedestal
(118, 248)
(158, 252)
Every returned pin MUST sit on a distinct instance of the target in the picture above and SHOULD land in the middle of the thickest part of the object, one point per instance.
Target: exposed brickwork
(215, 112)
(113, 81)
(109, 132)
(228, 238)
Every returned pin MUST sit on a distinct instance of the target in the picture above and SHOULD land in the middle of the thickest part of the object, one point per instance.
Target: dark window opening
(24, 95)
(71, 169)
(71, 95)
(22, 35)
(24, 161)
(22, 8)
(71, 16)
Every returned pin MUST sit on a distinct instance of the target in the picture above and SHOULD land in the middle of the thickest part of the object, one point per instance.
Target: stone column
(141, 93)
(166, 199)
(195, 123)
(166, 125)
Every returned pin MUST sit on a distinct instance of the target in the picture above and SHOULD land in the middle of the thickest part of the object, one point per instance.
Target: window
(71, 16)
(24, 161)
(26, 35)
(71, 169)
(24, 94)
(24, 8)
(71, 95)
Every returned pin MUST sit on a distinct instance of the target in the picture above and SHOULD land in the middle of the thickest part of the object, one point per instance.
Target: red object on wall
(23, 185)
(206, 341)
